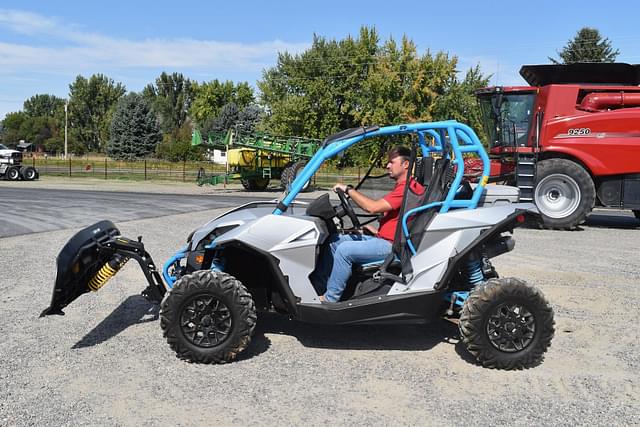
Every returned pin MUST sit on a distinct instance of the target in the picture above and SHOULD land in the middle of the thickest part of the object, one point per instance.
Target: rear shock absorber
(108, 270)
(474, 271)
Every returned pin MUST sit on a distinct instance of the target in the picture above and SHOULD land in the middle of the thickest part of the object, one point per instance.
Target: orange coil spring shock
(108, 270)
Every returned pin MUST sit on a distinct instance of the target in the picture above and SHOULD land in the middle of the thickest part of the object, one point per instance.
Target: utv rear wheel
(564, 193)
(507, 324)
(208, 317)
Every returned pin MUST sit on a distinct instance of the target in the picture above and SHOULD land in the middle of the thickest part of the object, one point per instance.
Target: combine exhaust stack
(93, 256)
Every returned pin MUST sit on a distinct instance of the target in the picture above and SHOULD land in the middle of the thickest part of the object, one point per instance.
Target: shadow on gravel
(357, 337)
(611, 221)
(595, 221)
(134, 310)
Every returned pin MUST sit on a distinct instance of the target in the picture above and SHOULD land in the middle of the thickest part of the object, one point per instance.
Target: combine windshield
(507, 118)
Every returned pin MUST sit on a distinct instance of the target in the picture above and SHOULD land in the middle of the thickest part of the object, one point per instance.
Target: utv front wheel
(208, 317)
(507, 324)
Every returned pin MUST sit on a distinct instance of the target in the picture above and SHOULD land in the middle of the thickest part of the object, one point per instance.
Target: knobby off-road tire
(507, 324)
(564, 193)
(208, 317)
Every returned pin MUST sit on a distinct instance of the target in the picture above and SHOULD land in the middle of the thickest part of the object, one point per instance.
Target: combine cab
(570, 141)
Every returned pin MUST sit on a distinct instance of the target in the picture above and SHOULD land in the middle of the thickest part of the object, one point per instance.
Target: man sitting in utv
(346, 249)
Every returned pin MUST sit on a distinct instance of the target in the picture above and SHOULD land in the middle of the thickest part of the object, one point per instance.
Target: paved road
(28, 210)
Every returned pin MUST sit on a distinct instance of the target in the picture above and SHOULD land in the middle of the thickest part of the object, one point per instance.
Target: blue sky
(44, 45)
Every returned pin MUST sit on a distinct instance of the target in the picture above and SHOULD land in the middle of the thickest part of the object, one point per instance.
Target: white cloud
(69, 48)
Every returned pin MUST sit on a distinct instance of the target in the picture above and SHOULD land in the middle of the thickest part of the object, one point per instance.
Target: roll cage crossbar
(448, 139)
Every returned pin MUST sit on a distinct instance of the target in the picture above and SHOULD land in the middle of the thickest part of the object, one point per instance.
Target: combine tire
(507, 324)
(208, 317)
(564, 193)
(13, 173)
(29, 173)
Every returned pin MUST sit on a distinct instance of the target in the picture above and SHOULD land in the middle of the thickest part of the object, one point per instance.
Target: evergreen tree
(249, 118)
(587, 46)
(134, 131)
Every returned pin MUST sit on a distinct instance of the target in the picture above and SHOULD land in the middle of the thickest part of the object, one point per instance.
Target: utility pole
(66, 106)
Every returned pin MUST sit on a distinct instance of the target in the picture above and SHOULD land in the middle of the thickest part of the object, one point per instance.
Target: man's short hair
(400, 150)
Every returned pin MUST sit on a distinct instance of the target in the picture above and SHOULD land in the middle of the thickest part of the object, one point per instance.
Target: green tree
(170, 98)
(91, 105)
(11, 127)
(210, 97)
(134, 130)
(362, 81)
(176, 145)
(44, 105)
(587, 46)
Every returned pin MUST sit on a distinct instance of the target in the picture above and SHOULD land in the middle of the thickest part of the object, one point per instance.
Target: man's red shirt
(389, 221)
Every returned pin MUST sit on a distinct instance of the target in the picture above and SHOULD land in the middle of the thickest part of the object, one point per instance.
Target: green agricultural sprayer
(256, 158)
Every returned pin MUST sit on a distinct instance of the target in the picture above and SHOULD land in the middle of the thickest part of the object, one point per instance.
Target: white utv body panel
(292, 239)
(448, 234)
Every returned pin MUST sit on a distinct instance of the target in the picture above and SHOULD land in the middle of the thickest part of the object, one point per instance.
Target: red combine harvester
(570, 141)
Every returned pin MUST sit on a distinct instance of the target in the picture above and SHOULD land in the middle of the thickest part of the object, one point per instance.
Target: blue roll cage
(459, 139)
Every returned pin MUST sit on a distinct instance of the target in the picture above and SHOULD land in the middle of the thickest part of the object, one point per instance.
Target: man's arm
(369, 205)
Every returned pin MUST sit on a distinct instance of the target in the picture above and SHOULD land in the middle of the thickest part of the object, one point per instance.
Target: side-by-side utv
(262, 256)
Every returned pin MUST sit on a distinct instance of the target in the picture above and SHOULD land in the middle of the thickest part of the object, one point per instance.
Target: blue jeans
(344, 251)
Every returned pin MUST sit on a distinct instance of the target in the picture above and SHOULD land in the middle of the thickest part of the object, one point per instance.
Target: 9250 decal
(578, 131)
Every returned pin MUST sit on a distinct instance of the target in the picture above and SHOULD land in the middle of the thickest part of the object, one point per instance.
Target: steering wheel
(347, 208)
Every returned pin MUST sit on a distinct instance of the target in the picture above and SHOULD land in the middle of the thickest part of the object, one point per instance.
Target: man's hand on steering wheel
(343, 191)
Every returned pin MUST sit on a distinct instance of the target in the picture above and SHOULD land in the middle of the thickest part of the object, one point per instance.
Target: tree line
(333, 85)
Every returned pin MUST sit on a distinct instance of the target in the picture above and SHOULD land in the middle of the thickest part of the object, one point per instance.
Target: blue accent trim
(407, 215)
(169, 279)
(458, 297)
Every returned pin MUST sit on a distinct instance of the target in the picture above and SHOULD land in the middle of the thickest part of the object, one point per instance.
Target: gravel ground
(106, 363)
